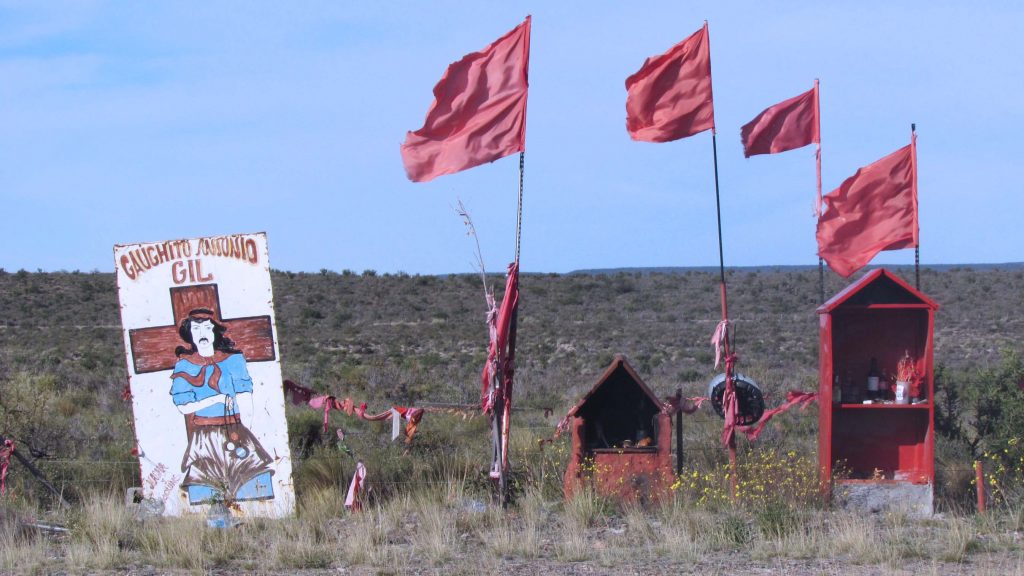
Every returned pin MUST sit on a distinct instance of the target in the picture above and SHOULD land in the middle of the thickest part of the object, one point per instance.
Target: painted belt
(216, 420)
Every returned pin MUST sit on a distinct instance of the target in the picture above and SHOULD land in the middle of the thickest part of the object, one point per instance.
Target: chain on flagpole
(917, 245)
(519, 214)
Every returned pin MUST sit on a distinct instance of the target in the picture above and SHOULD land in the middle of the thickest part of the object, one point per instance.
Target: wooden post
(979, 482)
(38, 475)
(734, 487)
(679, 432)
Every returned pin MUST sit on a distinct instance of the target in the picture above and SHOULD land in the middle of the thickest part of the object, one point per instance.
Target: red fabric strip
(793, 398)
(5, 460)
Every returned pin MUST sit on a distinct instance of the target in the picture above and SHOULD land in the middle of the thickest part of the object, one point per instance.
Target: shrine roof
(618, 367)
(879, 286)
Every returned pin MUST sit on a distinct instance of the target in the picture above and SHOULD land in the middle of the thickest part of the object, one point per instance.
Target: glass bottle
(873, 378)
(885, 388)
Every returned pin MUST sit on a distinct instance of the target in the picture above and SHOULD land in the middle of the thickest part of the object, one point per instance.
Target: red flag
(873, 210)
(785, 126)
(670, 96)
(479, 111)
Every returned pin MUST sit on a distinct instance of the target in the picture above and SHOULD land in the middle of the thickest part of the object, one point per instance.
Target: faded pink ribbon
(560, 429)
(718, 339)
(303, 395)
(355, 488)
(686, 405)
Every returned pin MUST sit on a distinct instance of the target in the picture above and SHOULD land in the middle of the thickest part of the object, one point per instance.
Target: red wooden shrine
(876, 444)
(621, 439)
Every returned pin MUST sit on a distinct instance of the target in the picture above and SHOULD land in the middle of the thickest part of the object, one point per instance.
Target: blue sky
(129, 122)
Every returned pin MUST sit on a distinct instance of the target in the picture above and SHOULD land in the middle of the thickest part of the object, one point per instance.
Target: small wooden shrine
(876, 440)
(621, 439)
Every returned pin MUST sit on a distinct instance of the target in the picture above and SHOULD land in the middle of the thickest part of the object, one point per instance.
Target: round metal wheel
(748, 397)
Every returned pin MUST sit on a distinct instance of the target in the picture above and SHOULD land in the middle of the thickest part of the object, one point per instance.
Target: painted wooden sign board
(205, 375)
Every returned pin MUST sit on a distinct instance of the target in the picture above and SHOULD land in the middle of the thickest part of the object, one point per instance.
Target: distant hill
(410, 338)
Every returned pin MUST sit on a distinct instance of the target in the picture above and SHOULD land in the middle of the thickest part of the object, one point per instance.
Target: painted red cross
(153, 347)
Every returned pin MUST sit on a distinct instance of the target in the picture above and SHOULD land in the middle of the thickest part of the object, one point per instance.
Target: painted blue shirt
(234, 379)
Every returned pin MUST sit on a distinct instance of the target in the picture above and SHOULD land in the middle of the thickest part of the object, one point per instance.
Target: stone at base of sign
(142, 508)
(220, 516)
(912, 499)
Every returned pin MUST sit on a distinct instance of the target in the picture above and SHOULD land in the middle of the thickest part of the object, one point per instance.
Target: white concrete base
(888, 496)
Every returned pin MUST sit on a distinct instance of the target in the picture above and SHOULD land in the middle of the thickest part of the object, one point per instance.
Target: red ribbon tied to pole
(5, 460)
(793, 398)
(327, 403)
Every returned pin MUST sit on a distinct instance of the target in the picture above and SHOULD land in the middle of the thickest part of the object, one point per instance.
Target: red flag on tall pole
(873, 210)
(788, 125)
(670, 96)
(479, 111)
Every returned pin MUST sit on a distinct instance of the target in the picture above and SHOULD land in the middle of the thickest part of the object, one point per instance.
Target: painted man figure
(212, 388)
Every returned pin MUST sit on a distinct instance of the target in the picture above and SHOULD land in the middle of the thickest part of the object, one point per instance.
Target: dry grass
(446, 529)
(20, 555)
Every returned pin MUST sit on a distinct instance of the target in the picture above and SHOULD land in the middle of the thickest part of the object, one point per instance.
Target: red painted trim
(848, 292)
(926, 406)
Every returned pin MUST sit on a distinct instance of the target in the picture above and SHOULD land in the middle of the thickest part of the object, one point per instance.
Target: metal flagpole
(506, 416)
(917, 267)
(917, 243)
(519, 213)
(718, 208)
(730, 389)
(729, 394)
(821, 280)
(817, 162)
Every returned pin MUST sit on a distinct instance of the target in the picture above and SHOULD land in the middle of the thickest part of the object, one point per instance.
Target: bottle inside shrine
(884, 388)
(873, 379)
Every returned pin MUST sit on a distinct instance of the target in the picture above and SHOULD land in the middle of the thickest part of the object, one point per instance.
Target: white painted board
(205, 375)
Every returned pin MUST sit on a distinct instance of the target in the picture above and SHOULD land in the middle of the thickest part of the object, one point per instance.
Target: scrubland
(421, 339)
